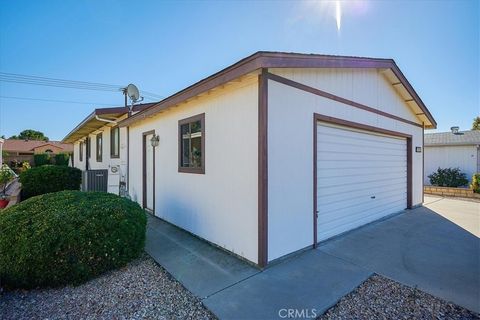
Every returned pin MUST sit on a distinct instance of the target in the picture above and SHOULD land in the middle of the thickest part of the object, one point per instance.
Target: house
(457, 149)
(23, 150)
(99, 144)
(278, 151)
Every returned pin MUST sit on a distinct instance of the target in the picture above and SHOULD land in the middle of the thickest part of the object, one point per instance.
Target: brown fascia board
(264, 59)
(117, 111)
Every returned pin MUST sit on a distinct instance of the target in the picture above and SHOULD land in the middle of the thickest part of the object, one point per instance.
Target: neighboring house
(452, 150)
(99, 143)
(279, 151)
(23, 150)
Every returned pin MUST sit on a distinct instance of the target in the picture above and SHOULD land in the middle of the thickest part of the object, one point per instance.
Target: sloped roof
(91, 124)
(264, 59)
(30, 145)
(448, 138)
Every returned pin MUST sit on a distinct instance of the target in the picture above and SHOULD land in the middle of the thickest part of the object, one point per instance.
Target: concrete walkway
(438, 253)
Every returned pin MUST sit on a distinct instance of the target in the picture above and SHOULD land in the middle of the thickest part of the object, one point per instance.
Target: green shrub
(61, 159)
(41, 159)
(476, 183)
(45, 179)
(68, 237)
(449, 177)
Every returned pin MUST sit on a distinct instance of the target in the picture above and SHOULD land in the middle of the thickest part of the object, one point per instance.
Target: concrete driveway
(435, 247)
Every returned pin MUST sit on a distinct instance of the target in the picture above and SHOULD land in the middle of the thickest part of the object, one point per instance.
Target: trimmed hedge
(41, 159)
(61, 159)
(45, 179)
(448, 177)
(68, 237)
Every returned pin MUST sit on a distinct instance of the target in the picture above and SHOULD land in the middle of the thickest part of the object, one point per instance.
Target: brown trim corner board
(263, 169)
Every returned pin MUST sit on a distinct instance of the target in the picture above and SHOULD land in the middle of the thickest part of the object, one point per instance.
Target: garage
(362, 176)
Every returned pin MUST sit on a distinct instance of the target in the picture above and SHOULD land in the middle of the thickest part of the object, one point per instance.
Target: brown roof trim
(105, 111)
(264, 59)
(331, 96)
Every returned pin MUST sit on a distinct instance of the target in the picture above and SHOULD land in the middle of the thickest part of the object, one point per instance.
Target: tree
(30, 134)
(476, 123)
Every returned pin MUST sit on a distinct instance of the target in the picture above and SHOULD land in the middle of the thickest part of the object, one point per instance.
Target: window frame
(89, 147)
(112, 141)
(80, 151)
(99, 151)
(197, 170)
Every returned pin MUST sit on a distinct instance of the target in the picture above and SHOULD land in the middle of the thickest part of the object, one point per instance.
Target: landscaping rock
(141, 290)
(382, 298)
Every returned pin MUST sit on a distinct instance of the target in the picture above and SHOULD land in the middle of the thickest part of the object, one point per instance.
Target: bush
(68, 237)
(476, 183)
(41, 159)
(61, 159)
(449, 177)
(45, 179)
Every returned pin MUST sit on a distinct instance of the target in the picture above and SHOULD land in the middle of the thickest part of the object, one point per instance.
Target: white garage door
(361, 177)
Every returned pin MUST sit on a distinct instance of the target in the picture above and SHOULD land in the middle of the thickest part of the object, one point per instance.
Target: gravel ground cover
(141, 290)
(382, 298)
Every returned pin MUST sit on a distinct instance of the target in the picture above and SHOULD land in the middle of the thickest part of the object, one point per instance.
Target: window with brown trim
(80, 151)
(191, 144)
(99, 147)
(89, 147)
(115, 142)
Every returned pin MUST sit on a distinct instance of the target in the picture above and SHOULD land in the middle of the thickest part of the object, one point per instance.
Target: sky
(164, 46)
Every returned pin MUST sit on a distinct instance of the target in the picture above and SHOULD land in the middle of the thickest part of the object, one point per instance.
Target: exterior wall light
(155, 140)
(418, 149)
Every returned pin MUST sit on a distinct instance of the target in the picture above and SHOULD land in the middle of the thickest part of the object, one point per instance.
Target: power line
(71, 84)
(38, 78)
(58, 101)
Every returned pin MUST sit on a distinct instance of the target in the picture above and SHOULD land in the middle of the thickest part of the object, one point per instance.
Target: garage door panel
(361, 149)
(353, 164)
(362, 157)
(360, 181)
(340, 199)
(365, 171)
(332, 210)
(353, 137)
(361, 177)
(350, 224)
(352, 189)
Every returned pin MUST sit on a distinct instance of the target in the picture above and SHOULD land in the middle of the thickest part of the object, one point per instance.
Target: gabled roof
(30, 145)
(91, 123)
(462, 138)
(263, 59)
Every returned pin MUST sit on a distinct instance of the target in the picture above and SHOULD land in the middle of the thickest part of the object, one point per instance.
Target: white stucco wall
(220, 205)
(463, 157)
(290, 143)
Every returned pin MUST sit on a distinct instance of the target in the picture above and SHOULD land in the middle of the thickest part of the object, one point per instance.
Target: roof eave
(264, 59)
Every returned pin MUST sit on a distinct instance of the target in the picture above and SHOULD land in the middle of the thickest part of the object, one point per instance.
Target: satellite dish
(132, 92)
